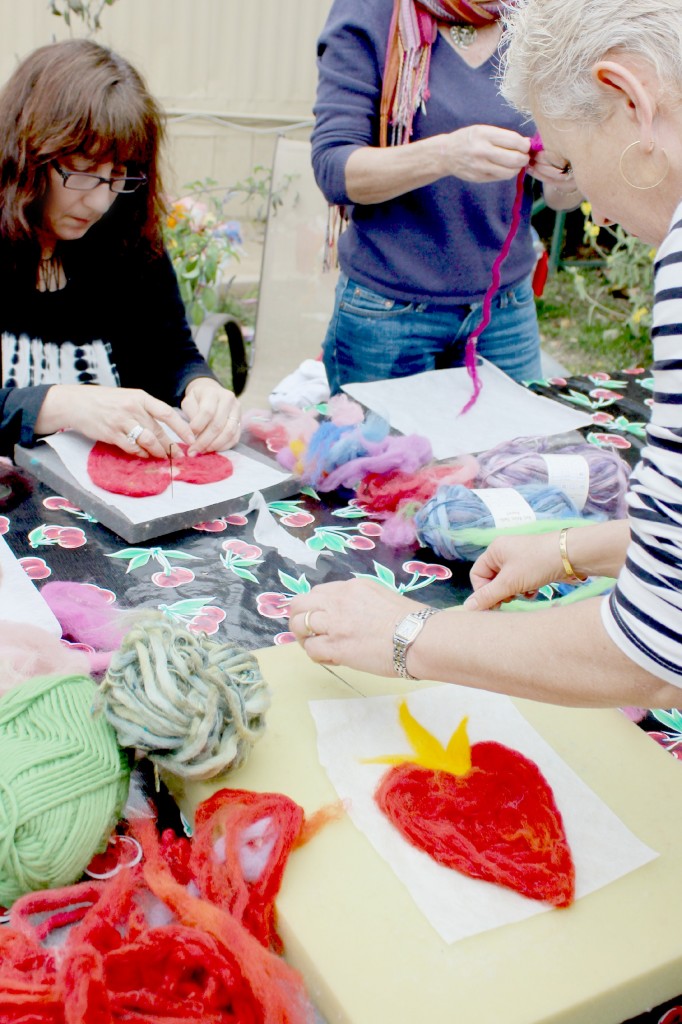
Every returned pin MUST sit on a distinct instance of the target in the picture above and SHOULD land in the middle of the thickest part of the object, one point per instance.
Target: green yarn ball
(63, 784)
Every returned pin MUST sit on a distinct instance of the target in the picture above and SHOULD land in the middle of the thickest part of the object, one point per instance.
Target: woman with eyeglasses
(94, 334)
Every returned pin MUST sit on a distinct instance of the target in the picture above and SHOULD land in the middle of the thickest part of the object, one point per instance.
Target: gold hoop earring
(642, 188)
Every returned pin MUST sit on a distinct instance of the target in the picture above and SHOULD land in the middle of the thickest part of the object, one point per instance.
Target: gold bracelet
(566, 562)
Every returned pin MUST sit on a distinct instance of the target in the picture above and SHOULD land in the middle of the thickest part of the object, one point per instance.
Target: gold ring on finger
(309, 631)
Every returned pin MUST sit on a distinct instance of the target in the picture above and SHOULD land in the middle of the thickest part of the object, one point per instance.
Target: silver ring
(133, 434)
(309, 631)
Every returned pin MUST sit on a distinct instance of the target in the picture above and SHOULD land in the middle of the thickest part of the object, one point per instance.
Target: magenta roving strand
(496, 274)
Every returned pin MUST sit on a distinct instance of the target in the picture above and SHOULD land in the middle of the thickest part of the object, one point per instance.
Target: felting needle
(344, 681)
(170, 460)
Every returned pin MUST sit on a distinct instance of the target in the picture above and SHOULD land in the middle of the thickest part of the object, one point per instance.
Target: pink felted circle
(201, 469)
(116, 471)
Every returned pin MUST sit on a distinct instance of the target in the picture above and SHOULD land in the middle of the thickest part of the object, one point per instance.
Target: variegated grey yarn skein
(194, 706)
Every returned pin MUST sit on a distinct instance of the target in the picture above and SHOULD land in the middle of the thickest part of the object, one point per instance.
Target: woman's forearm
(478, 153)
(559, 656)
(599, 550)
(375, 175)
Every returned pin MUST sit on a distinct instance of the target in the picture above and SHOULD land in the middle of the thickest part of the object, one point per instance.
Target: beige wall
(230, 73)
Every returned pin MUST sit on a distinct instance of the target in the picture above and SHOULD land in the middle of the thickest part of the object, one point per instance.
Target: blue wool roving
(332, 446)
(458, 525)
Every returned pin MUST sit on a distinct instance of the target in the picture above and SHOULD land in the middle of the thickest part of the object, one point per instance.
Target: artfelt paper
(249, 475)
(429, 404)
(20, 599)
(457, 906)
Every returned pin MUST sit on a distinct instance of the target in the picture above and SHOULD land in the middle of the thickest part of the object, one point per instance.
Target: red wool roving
(485, 810)
(116, 471)
(144, 947)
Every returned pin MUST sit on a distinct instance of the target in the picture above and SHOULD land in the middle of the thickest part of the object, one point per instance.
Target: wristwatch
(405, 634)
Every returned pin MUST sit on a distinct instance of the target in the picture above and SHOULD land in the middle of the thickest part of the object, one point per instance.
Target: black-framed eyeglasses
(82, 181)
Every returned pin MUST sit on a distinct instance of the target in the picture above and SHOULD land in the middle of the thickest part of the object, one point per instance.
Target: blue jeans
(372, 337)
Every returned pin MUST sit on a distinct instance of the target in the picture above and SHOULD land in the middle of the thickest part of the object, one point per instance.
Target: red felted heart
(498, 821)
(114, 470)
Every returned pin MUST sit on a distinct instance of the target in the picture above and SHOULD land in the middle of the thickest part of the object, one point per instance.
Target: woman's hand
(483, 152)
(521, 565)
(480, 152)
(513, 566)
(349, 623)
(560, 189)
(113, 415)
(213, 414)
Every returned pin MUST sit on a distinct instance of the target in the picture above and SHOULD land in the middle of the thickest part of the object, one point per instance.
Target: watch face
(407, 630)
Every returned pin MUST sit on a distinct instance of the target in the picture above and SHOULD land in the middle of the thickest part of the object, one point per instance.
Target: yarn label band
(570, 474)
(506, 506)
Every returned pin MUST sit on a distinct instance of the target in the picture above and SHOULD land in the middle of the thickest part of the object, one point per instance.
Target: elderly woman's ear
(630, 85)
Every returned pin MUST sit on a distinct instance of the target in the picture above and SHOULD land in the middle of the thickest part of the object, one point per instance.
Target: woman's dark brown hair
(78, 97)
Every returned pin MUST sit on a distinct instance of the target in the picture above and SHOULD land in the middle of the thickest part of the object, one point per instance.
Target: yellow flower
(586, 208)
(652, 254)
(592, 230)
(639, 313)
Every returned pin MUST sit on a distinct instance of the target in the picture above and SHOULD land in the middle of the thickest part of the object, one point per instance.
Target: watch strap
(401, 646)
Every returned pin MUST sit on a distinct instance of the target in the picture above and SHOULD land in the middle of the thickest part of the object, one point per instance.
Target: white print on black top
(30, 361)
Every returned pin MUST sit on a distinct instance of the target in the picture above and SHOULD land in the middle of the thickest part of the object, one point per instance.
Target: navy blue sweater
(435, 243)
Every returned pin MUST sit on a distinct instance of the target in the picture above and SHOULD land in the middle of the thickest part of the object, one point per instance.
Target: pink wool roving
(496, 276)
(28, 651)
(522, 461)
(396, 497)
(87, 616)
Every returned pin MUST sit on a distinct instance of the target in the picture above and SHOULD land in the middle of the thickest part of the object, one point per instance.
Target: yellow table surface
(370, 957)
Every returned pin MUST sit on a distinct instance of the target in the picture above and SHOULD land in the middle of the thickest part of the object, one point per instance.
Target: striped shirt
(643, 615)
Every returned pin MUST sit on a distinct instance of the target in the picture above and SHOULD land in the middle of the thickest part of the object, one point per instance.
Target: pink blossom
(211, 526)
(613, 440)
(35, 568)
(175, 578)
(273, 606)
(241, 548)
(438, 572)
(361, 544)
(284, 638)
(297, 519)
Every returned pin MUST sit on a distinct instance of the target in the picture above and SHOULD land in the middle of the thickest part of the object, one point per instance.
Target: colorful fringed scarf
(413, 30)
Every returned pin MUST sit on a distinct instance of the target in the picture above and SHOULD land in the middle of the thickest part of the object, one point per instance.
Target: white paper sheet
(249, 475)
(457, 906)
(20, 599)
(268, 533)
(429, 404)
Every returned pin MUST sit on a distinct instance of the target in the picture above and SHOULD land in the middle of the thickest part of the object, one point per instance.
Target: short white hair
(551, 47)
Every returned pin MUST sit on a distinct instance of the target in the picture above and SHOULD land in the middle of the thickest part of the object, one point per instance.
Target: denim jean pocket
(365, 302)
(521, 296)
